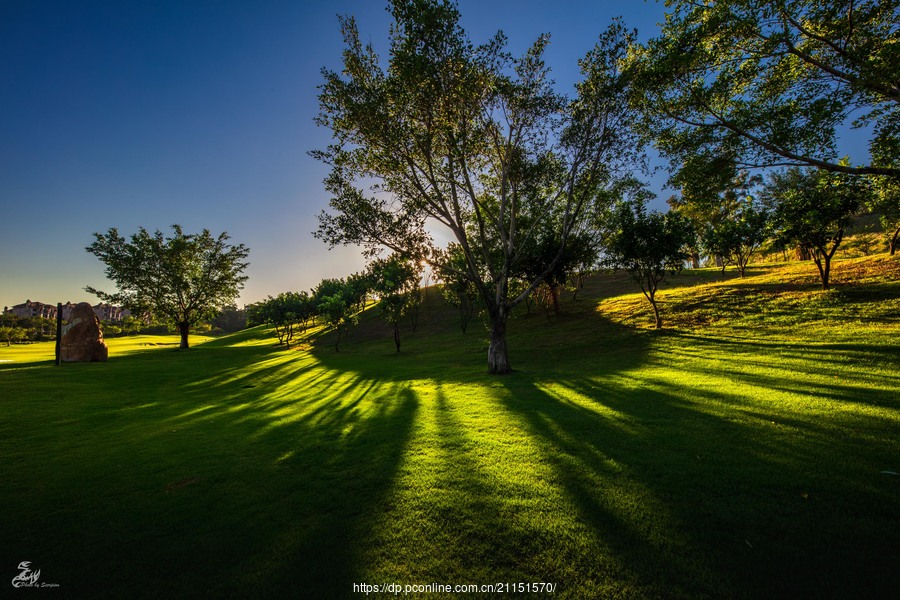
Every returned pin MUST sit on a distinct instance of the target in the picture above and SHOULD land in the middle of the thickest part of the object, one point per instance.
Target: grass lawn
(749, 450)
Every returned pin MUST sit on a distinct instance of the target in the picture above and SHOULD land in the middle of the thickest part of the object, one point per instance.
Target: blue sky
(147, 113)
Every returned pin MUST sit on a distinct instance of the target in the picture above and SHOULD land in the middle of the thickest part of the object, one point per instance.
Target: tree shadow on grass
(741, 501)
(282, 478)
(209, 482)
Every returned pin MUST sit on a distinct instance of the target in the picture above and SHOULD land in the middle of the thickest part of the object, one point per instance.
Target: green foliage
(396, 283)
(287, 312)
(737, 236)
(717, 198)
(813, 208)
(12, 335)
(230, 319)
(184, 278)
(457, 288)
(541, 260)
(26, 329)
(771, 83)
(470, 139)
(647, 245)
(337, 302)
(885, 201)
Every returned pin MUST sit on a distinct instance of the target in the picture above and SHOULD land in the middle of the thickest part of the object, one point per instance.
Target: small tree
(283, 312)
(230, 319)
(11, 334)
(542, 260)
(813, 209)
(457, 289)
(184, 278)
(738, 236)
(396, 281)
(647, 245)
(336, 302)
(885, 200)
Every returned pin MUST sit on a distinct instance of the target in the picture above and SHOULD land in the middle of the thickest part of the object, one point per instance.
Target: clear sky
(133, 113)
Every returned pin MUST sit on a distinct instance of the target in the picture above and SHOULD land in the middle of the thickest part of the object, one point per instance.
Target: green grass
(738, 453)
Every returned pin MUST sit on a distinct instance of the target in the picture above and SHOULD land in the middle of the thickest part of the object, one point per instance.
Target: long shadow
(732, 509)
(256, 487)
(267, 489)
(637, 535)
(735, 497)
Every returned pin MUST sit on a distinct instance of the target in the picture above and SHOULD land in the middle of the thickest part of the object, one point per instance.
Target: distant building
(67, 308)
(108, 312)
(104, 312)
(30, 309)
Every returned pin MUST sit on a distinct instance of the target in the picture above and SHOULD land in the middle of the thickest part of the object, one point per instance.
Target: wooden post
(58, 332)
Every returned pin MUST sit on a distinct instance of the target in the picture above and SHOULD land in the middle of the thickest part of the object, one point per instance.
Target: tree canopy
(183, 278)
(771, 83)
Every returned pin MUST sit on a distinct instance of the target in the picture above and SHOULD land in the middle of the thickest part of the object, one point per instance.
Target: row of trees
(394, 282)
(808, 210)
(528, 183)
(15, 329)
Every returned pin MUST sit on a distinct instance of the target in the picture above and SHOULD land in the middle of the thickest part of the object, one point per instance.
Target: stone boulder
(82, 339)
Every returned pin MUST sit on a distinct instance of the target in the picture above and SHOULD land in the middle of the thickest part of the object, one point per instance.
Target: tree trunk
(184, 328)
(695, 259)
(397, 335)
(656, 313)
(824, 269)
(894, 239)
(498, 357)
(579, 285)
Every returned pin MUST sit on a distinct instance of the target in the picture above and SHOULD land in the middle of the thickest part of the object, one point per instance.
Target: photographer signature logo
(27, 577)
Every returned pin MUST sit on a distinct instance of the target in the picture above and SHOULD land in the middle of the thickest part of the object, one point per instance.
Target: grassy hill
(748, 450)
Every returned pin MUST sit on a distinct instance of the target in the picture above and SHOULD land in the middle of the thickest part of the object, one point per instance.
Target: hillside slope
(785, 296)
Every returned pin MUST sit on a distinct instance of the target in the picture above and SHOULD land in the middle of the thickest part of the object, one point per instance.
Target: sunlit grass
(118, 346)
(744, 455)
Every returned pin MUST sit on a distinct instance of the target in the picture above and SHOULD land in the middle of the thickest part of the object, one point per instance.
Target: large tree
(183, 278)
(773, 82)
(470, 140)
